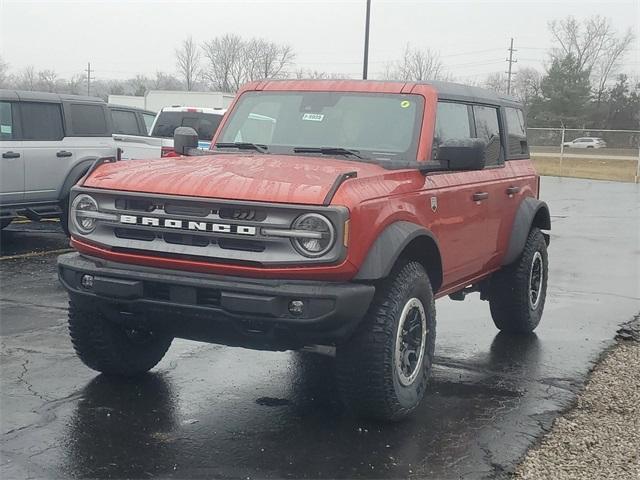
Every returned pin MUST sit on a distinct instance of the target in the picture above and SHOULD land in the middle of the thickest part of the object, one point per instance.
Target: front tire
(383, 369)
(518, 291)
(111, 348)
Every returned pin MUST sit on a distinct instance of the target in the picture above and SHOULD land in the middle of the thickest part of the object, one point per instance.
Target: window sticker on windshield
(5, 128)
(405, 103)
(313, 117)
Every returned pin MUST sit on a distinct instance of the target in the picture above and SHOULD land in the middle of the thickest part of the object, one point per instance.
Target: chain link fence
(586, 153)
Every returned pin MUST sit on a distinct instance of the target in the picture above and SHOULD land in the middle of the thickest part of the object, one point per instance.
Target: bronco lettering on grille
(196, 226)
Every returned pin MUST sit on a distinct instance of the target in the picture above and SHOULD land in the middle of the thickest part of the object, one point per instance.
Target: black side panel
(76, 173)
(387, 248)
(530, 209)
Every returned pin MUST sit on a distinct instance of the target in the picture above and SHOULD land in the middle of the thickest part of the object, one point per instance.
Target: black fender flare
(531, 213)
(75, 174)
(388, 247)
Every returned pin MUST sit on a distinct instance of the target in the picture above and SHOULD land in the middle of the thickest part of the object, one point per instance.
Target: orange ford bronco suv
(325, 213)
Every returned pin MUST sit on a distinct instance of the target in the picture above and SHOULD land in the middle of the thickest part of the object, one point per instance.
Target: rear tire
(383, 369)
(111, 348)
(518, 291)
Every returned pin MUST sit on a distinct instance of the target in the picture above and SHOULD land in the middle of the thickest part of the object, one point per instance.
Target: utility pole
(366, 42)
(88, 70)
(511, 62)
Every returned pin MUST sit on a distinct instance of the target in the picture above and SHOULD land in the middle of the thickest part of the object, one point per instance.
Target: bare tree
(595, 45)
(496, 81)
(4, 74)
(27, 79)
(526, 85)
(165, 81)
(47, 80)
(77, 84)
(266, 59)
(416, 65)
(224, 56)
(139, 85)
(303, 74)
(233, 61)
(188, 61)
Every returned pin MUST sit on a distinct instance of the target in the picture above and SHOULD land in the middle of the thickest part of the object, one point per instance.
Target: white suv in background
(159, 143)
(47, 143)
(586, 142)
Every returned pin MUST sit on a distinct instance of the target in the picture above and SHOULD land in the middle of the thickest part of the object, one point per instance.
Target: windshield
(203, 123)
(377, 126)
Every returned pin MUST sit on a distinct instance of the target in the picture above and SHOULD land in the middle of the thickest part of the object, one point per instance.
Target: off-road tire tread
(101, 346)
(508, 299)
(365, 363)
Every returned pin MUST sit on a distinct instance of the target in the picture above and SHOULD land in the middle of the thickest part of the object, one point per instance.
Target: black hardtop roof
(446, 90)
(33, 96)
(467, 93)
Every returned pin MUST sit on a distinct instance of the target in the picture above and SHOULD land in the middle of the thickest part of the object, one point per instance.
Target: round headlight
(321, 237)
(83, 212)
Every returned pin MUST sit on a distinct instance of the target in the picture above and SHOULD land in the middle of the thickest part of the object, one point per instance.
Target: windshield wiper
(244, 146)
(329, 151)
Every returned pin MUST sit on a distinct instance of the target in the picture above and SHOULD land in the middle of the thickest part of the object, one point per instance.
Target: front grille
(224, 231)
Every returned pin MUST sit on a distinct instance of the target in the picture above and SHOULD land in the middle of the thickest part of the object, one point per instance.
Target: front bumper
(234, 311)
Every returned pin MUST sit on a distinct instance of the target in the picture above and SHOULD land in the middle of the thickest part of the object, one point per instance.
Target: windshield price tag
(313, 117)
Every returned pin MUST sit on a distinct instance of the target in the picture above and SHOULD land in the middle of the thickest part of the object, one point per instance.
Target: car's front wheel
(384, 368)
(113, 348)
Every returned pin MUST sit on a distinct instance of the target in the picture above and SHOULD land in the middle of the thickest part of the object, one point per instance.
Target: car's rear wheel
(384, 368)
(112, 348)
(518, 291)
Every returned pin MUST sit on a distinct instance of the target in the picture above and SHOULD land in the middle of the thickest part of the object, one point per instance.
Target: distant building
(154, 100)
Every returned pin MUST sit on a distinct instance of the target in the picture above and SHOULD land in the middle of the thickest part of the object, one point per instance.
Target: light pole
(366, 42)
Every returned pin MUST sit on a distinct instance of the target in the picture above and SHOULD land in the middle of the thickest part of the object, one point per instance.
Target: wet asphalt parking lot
(214, 412)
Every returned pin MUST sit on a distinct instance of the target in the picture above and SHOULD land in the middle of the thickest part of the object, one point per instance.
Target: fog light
(296, 307)
(87, 281)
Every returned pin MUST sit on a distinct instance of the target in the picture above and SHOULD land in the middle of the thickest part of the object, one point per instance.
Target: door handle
(513, 190)
(479, 196)
(10, 155)
(63, 153)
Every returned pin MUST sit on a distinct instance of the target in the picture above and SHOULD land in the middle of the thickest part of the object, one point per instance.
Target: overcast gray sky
(122, 38)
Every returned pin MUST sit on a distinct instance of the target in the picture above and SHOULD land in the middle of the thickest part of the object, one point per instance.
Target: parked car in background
(159, 143)
(131, 120)
(586, 142)
(47, 142)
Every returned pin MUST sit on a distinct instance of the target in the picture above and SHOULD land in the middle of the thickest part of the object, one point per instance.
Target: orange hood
(265, 178)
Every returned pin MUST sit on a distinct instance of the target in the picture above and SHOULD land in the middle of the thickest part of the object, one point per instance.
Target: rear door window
(41, 121)
(205, 124)
(88, 120)
(516, 133)
(125, 122)
(488, 129)
(7, 131)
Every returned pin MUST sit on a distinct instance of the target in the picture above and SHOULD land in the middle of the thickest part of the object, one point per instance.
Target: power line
(511, 62)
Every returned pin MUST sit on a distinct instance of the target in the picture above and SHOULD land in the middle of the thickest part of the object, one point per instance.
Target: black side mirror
(184, 138)
(462, 154)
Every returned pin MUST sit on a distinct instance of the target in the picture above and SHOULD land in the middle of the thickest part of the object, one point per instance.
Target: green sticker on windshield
(405, 103)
